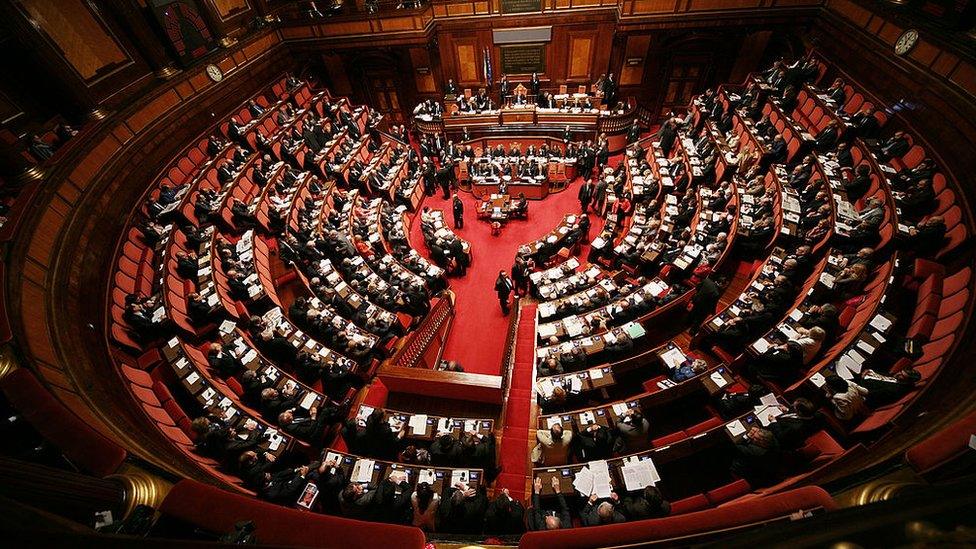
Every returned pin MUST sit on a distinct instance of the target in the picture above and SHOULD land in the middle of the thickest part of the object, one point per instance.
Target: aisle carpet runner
(515, 437)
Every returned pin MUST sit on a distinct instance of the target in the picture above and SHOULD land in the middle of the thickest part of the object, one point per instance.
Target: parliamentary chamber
(118, 117)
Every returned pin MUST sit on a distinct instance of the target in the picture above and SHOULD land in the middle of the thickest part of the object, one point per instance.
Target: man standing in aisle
(458, 207)
(504, 286)
(586, 194)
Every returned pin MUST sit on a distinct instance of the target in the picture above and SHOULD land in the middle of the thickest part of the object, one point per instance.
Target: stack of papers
(673, 358)
(593, 479)
(638, 474)
(418, 424)
(363, 471)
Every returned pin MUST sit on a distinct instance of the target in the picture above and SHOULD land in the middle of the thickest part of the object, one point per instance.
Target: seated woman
(688, 370)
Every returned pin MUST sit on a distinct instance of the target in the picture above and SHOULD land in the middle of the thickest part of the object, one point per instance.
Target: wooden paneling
(636, 48)
(152, 110)
(420, 59)
(580, 54)
(83, 39)
(467, 60)
(229, 8)
(699, 5)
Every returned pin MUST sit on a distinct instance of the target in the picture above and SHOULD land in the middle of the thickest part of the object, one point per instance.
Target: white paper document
(418, 424)
(639, 474)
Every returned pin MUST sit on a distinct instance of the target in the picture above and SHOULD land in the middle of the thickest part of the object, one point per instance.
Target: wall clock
(214, 72)
(906, 42)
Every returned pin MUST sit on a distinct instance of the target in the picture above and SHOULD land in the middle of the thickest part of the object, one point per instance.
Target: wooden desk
(518, 116)
(437, 476)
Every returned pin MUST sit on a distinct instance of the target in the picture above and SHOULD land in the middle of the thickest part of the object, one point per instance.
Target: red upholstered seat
(137, 377)
(944, 447)
(216, 510)
(145, 395)
(689, 504)
(668, 439)
(80, 443)
(956, 282)
(703, 426)
(159, 415)
(878, 419)
(728, 492)
(681, 525)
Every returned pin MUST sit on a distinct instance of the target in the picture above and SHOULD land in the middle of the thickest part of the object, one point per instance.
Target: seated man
(883, 390)
(462, 509)
(505, 516)
(779, 363)
(604, 512)
(542, 519)
(646, 504)
(552, 447)
(928, 237)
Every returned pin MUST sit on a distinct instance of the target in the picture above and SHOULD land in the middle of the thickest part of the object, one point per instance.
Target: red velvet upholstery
(943, 447)
(80, 443)
(217, 510)
(737, 514)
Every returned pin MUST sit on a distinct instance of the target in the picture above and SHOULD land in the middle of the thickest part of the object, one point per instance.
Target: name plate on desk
(524, 58)
(521, 6)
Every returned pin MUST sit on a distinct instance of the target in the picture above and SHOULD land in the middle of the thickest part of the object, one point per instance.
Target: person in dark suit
(446, 451)
(462, 509)
(827, 139)
(593, 443)
(504, 89)
(253, 466)
(585, 195)
(220, 359)
(894, 147)
(703, 303)
(666, 137)
(864, 123)
(309, 426)
(793, 427)
(224, 173)
(198, 309)
(504, 287)
(928, 237)
(285, 486)
(535, 84)
(645, 504)
(597, 512)
(222, 442)
(505, 516)
(777, 151)
(541, 519)
(634, 133)
(458, 209)
(884, 390)
(451, 87)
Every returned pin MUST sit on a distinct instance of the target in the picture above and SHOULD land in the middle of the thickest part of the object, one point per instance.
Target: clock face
(906, 42)
(214, 72)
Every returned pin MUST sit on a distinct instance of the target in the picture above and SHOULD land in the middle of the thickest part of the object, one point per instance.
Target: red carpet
(515, 437)
(477, 338)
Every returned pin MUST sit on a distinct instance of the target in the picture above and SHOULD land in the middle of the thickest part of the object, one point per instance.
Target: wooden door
(686, 76)
(383, 95)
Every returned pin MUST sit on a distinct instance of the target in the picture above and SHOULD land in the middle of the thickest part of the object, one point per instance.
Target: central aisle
(477, 337)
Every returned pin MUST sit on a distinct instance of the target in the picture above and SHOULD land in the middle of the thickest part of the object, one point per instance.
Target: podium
(518, 116)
